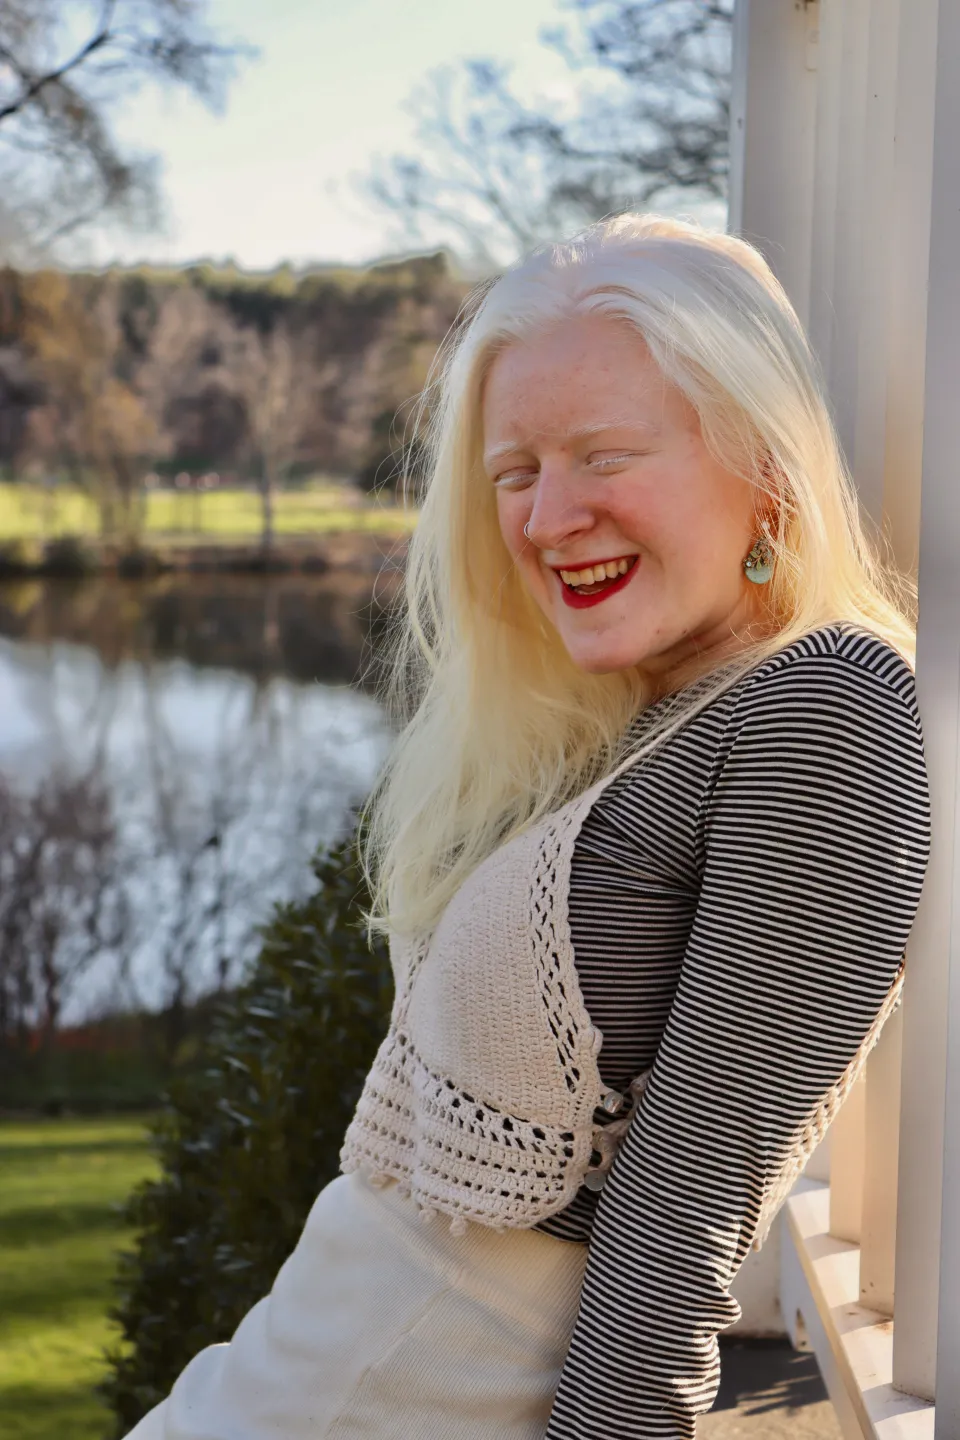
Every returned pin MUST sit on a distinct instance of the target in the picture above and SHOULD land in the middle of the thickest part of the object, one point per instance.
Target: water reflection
(230, 725)
(302, 627)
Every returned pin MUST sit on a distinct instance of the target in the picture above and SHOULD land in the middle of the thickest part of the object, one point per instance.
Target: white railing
(845, 139)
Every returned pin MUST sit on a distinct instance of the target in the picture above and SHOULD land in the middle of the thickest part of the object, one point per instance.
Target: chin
(605, 661)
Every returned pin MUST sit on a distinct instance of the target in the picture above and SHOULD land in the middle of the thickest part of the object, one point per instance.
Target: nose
(560, 508)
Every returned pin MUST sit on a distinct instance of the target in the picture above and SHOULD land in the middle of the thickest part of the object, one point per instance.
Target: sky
(269, 180)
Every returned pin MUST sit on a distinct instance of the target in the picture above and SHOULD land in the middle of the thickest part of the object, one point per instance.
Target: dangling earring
(758, 565)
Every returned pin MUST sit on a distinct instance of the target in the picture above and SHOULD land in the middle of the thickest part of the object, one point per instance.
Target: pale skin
(600, 457)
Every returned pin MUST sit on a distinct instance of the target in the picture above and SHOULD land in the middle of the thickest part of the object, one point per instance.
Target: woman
(648, 851)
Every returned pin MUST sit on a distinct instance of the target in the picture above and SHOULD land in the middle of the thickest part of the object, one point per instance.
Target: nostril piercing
(526, 530)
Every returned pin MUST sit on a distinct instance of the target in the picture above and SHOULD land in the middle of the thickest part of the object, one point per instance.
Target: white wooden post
(772, 135)
(772, 140)
(932, 1016)
(908, 208)
(878, 282)
(821, 322)
(879, 1190)
(925, 355)
(838, 210)
(846, 1166)
(867, 242)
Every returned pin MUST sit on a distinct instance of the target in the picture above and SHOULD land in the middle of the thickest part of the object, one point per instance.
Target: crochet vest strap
(481, 1098)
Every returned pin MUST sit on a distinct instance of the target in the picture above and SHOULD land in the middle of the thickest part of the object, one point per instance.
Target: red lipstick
(580, 602)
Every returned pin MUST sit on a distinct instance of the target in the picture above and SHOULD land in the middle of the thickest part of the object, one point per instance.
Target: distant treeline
(107, 376)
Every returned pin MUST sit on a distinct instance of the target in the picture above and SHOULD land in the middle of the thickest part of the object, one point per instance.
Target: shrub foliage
(247, 1143)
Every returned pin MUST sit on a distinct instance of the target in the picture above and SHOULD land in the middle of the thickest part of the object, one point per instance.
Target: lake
(231, 724)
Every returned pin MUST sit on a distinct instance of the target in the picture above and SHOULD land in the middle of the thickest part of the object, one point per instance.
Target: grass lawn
(59, 1181)
(29, 513)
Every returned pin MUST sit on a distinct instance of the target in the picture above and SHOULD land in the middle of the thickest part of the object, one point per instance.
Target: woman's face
(602, 459)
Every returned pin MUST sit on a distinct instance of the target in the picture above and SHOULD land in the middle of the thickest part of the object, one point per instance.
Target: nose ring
(526, 531)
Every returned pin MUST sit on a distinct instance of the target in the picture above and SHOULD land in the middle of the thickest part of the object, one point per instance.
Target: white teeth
(598, 572)
(608, 571)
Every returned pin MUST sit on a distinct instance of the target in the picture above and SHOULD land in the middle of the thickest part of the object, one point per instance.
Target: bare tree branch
(33, 85)
(58, 108)
(494, 174)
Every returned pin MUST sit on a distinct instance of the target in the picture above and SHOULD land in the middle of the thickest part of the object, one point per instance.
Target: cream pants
(382, 1327)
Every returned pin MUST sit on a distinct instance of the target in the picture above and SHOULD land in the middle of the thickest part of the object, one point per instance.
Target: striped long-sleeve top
(739, 907)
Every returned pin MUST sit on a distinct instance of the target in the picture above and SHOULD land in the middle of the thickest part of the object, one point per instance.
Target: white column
(925, 359)
(839, 205)
(873, 260)
(846, 1166)
(821, 322)
(935, 1008)
(854, 289)
(772, 131)
(852, 317)
(881, 1134)
(867, 242)
(907, 206)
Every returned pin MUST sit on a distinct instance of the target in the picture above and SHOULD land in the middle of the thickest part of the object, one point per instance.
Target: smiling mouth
(592, 583)
(594, 579)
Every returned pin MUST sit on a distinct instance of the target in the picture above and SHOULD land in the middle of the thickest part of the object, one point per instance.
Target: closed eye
(512, 477)
(603, 460)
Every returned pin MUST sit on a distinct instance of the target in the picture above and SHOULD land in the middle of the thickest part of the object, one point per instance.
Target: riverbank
(323, 525)
(364, 551)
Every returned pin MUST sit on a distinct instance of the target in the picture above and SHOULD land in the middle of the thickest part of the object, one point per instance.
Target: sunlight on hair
(499, 727)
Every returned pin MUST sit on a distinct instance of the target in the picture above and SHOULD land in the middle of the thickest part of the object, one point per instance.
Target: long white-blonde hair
(497, 725)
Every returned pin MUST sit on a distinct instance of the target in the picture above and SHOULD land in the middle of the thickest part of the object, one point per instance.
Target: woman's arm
(815, 835)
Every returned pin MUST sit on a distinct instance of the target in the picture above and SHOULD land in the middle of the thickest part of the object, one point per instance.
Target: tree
(60, 904)
(90, 423)
(495, 174)
(64, 67)
(274, 371)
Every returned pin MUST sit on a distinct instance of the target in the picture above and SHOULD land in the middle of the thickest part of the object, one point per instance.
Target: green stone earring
(758, 565)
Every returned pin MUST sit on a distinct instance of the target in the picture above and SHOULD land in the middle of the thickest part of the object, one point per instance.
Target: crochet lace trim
(435, 1135)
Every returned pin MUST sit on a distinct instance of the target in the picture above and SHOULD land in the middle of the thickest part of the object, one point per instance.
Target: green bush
(248, 1140)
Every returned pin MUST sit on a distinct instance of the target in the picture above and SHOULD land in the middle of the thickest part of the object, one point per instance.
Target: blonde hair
(499, 727)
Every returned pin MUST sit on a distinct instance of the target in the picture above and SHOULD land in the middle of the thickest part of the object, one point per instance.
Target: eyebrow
(577, 432)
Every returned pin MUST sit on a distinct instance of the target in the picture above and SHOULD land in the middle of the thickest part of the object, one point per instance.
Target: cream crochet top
(485, 1101)
(481, 1098)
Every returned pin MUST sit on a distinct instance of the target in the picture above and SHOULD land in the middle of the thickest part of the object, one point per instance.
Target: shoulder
(840, 669)
(822, 756)
(830, 723)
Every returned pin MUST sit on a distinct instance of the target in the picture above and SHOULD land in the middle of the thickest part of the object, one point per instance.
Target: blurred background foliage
(108, 379)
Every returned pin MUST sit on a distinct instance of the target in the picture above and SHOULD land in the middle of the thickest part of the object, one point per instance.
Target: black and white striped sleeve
(814, 832)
